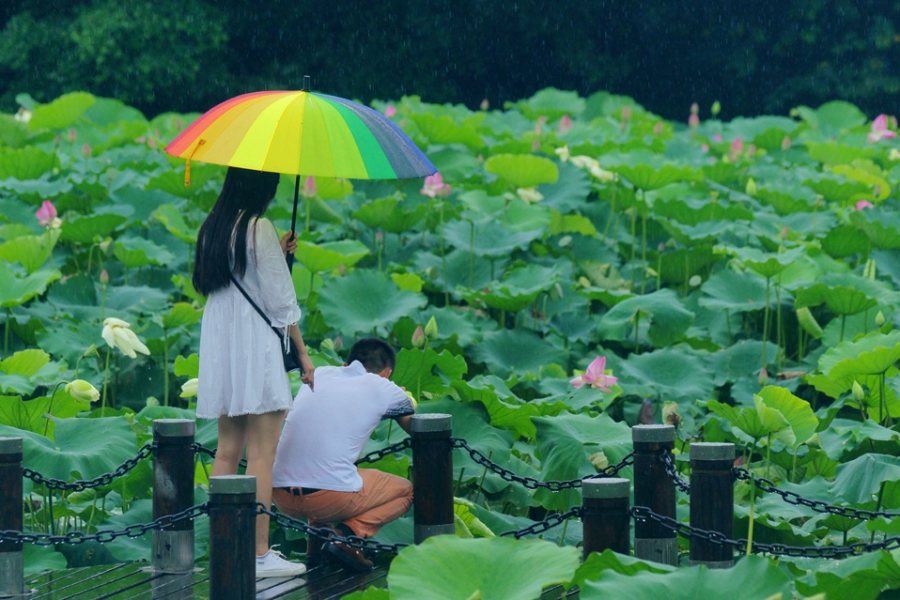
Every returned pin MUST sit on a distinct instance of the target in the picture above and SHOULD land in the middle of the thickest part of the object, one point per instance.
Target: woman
(242, 381)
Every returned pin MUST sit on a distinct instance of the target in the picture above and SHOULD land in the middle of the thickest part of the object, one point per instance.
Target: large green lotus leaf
(372, 593)
(874, 182)
(12, 231)
(181, 314)
(560, 224)
(87, 230)
(454, 165)
(389, 214)
(362, 301)
(844, 293)
(518, 289)
(174, 222)
(42, 558)
(31, 251)
(31, 415)
(515, 417)
(623, 564)
(137, 299)
(859, 480)
(187, 367)
(490, 238)
(668, 318)
(767, 265)
(13, 133)
(693, 211)
(845, 240)
(67, 340)
(845, 438)
(319, 258)
(520, 216)
(684, 263)
(834, 117)
(570, 192)
(837, 191)
(859, 577)
(25, 362)
(832, 153)
(464, 325)
(62, 112)
(735, 292)
(784, 201)
(26, 163)
(522, 170)
(427, 371)
(134, 252)
(444, 130)
(670, 373)
(15, 291)
(551, 103)
(90, 447)
(757, 422)
(872, 354)
(516, 351)
(493, 568)
(171, 181)
(565, 445)
(882, 227)
(752, 578)
(795, 411)
(108, 111)
(738, 360)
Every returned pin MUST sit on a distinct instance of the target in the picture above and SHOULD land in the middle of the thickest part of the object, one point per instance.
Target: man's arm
(404, 422)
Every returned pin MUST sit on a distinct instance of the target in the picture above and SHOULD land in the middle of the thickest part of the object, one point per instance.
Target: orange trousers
(383, 498)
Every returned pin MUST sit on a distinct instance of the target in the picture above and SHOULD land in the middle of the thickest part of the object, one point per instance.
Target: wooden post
(432, 475)
(604, 514)
(12, 562)
(655, 490)
(232, 537)
(173, 492)
(712, 502)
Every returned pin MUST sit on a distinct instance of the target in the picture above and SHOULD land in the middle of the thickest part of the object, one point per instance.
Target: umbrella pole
(290, 257)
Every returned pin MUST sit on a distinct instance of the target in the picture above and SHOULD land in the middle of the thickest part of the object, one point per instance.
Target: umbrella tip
(306, 83)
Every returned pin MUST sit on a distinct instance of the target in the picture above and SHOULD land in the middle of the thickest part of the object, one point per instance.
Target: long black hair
(245, 194)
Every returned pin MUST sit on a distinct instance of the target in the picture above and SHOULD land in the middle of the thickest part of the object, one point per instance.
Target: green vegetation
(739, 277)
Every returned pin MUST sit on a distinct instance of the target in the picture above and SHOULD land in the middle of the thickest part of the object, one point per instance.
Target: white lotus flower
(563, 153)
(118, 334)
(82, 390)
(189, 388)
(601, 173)
(529, 195)
(584, 162)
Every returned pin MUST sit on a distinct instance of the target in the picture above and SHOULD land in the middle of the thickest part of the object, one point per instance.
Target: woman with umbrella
(242, 380)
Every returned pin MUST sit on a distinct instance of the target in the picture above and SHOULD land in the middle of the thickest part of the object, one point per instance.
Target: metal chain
(767, 485)
(542, 526)
(105, 479)
(668, 460)
(642, 513)
(531, 482)
(326, 533)
(104, 536)
(368, 458)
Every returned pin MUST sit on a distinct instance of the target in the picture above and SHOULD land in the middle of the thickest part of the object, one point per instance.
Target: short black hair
(374, 354)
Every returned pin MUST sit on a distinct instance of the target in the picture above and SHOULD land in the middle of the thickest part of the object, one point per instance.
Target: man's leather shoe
(350, 557)
(314, 545)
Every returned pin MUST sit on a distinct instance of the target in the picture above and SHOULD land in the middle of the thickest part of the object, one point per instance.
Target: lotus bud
(693, 121)
(716, 108)
(670, 414)
(189, 388)
(91, 351)
(151, 143)
(104, 277)
(565, 124)
(309, 187)
(412, 399)
(338, 343)
(599, 461)
(751, 188)
(327, 345)
(105, 245)
(379, 237)
(695, 108)
(858, 393)
(786, 143)
(695, 281)
(879, 319)
(390, 111)
(876, 193)
(584, 282)
(894, 154)
(864, 204)
(751, 150)
(808, 322)
(178, 123)
(72, 136)
(152, 402)
(556, 292)
(565, 241)
(342, 269)
(626, 114)
(658, 129)
(763, 377)
(785, 231)
(869, 269)
(431, 329)
(57, 140)
(535, 145)
(485, 105)
(82, 390)
(418, 337)
(86, 151)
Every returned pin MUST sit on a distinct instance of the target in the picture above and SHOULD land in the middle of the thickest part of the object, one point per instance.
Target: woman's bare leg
(232, 440)
(264, 432)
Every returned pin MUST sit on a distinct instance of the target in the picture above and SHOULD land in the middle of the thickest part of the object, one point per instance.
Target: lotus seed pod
(670, 414)
(858, 393)
(808, 322)
(879, 319)
(599, 460)
(431, 329)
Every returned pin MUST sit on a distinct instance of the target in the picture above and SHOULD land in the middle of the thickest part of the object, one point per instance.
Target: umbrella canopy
(301, 133)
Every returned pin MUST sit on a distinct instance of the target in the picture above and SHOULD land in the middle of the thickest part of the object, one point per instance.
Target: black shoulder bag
(288, 350)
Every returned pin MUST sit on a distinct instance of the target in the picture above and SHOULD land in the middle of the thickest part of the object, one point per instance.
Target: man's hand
(309, 371)
(288, 243)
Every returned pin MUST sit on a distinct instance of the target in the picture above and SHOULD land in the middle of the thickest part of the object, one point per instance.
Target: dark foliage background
(755, 56)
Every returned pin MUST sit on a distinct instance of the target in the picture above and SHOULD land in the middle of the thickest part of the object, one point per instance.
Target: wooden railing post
(173, 492)
(604, 514)
(232, 537)
(655, 490)
(712, 502)
(432, 475)
(12, 562)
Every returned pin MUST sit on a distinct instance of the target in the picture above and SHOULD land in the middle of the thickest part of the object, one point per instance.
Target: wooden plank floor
(134, 581)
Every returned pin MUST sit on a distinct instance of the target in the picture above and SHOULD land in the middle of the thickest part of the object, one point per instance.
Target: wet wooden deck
(135, 581)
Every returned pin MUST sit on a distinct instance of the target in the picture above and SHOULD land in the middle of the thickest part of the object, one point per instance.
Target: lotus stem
(659, 272)
(458, 481)
(643, 253)
(612, 211)
(166, 366)
(637, 339)
(877, 508)
(778, 325)
(472, 256)
(752, 504)
(50, 407)
(308, 201)
(634, 244)
(794, 464)
(562, 534)
(765, 338)
(728, 325)
(6, 333)
(885, 415)
(105, 382)
(481, 481)
(444, 260)
(843, 322)
(768, 453)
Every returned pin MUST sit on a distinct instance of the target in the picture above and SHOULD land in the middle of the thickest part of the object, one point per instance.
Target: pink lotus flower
(72, 136)
(658, 129)
(595, 377)
(695, 108)
(309, 187)
(565, 124)
(704, 147)
(535, 145)
(694, 121)
(86, 151)
(737, 148)
(46, 213)
(626, 114)
(717, 138)
(880, 130)
(786, 143)
(861, 204)
(435, 187)
(485, 104)
(390, 111)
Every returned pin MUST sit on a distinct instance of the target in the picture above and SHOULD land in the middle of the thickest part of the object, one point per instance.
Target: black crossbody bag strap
(252, 303)
(289, 351)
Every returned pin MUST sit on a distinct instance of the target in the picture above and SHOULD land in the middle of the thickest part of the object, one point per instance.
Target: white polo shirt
(326, 431)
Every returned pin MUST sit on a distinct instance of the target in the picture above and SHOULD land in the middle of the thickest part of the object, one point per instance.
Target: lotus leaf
(450, 568)
(26, 163)
(520, 216)
(181, 314)
(757, 422)
(174, 222)
(319, 258)
(90, 229)
(834, 190)
(553, 104)
(31, 415)
(874, 182)
(860, 480)
(62, 112)
(15, 291)
(859, 577)
(134, 252)
(570, 192)
(623, 564)
(467, 524)
(516, 351)
(427, 371)
(668, 318)
(767, 265)
(736, 292)
(833, 117)
(42, 558)
(881, 227)
(443, 130)
(25, 362)
(671, 373)
(845, 438)
(363, 301)
(522, 170)
(505, 415)
(845, 241)
(490, 238)
(518, 289)
(187, 367)
(737, 361)
(454, 165)
(13, 133)
(390, 215)
(171, 181)
(137, 299)
(873, 354)
(796, 412)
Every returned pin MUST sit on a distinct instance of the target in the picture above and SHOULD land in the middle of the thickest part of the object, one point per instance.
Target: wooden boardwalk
(135, 581)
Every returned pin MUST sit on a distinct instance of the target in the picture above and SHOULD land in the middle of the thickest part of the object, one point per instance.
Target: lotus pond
(739, 278)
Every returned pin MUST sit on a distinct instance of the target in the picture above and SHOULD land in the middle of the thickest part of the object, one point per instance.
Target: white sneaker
(273, 564)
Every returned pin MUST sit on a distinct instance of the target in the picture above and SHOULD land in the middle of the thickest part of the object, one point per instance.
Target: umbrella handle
(290, 257)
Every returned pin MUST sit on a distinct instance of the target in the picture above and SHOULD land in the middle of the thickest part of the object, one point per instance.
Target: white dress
(241, 364)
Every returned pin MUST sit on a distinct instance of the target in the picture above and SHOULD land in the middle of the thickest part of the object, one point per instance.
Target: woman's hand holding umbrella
(288, 243)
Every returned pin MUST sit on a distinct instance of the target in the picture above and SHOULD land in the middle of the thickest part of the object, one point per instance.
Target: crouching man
(314, 475)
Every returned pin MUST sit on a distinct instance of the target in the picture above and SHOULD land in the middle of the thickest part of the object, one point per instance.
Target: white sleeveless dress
(241, 364)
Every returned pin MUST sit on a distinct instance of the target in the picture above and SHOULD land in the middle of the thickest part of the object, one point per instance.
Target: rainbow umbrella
(301, 133)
